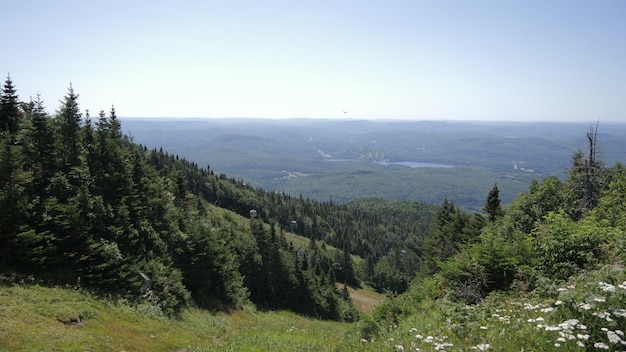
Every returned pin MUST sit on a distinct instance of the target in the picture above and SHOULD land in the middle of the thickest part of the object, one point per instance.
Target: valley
(342, 160)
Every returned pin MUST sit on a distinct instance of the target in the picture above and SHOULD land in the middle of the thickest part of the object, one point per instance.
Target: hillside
(105, 243)
(36, 318)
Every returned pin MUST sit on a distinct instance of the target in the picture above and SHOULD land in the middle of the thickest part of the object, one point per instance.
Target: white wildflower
(482, 347)
(583, 336)
(399, 348)
(601, 345)
(413, 330)
(580, 343)
(557, 344)
(483, 328)
(561, 289)
(606, 287)
(558, 303)
(548, 310)
(571, 287)
(419, 337)
(613, 337)
(585, 306)
(620, 312)
(619, 332)
(561, 339)
(600, 299)
(429, 339)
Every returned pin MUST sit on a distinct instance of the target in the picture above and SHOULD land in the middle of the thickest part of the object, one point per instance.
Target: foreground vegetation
(36, 318)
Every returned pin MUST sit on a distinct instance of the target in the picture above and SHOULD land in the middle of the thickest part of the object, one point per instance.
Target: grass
(36, 318)
(586, 313)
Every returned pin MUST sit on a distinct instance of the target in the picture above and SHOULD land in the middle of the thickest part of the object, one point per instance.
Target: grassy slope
(35, 318)
(571, 316)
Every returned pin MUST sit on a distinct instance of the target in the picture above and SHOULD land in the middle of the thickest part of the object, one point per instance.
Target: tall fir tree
(9, 108)
(69, 117)
(492, 206)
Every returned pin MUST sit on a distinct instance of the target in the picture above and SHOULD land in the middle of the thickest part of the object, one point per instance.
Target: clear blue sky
(558, 60)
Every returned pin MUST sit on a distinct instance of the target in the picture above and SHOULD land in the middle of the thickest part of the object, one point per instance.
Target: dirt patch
(365, 300)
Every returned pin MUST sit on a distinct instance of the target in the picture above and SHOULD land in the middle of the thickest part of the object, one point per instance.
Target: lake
(413, 164)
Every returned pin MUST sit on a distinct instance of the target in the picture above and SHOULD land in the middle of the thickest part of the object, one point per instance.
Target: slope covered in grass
(36, 318)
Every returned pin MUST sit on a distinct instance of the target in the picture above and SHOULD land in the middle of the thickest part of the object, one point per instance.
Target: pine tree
(9, 108)
(492, 207)
(69, 117)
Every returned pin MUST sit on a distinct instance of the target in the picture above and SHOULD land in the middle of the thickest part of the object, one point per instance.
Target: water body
(413, 164)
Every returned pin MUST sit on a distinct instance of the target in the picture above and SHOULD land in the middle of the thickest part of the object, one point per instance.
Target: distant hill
(333, 159)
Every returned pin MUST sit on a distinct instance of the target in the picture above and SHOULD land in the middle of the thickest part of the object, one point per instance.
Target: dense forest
(82, 205)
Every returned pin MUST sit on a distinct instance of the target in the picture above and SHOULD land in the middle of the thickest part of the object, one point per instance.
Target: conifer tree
(69, 117)
(9, 108)
(492, 207)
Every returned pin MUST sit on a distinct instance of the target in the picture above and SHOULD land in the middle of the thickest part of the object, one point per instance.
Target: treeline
(82, 205)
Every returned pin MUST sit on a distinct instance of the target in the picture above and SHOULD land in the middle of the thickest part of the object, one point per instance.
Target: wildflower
(419, 337)
(585, 306)
(601, 345)
(580, 343)
(557, 345)
(620, 312)
(619, 332)
(483, 328)
(600, 299)
(571, 287)
(363, 341)
(413, 330)
(429, 339)
(582, 336)
(442, 346)
(528, 306)
(561, 339)
(613, 337)
(548, 310)
(622, 285)
(558, 303)
(606, 287)
(482, 347)
(561, 289)
(399, 348)
(603, 315)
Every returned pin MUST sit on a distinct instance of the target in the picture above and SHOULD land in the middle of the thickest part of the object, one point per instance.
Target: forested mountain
(82, 205)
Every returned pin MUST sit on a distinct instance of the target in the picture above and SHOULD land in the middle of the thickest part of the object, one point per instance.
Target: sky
(530, 60)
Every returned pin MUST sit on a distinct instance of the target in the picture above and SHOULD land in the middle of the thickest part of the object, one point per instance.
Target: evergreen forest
(84, 207)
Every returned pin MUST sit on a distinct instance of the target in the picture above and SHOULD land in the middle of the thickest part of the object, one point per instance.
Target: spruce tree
(492, 207)
(69, 117)
(9, 108)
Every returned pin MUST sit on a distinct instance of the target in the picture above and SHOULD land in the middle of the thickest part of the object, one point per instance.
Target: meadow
(586, 313)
